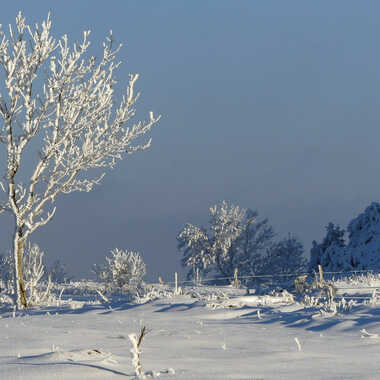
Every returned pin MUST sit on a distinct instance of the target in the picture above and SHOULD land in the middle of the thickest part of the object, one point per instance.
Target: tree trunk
(19, 285)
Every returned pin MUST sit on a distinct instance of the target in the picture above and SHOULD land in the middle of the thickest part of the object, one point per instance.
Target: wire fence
(354, 285)
(364, 290)
(308, 275)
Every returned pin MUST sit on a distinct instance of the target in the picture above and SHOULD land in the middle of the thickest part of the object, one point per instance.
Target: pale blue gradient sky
(273, 105)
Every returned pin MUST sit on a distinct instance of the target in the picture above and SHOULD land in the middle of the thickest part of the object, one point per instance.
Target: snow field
(244, 338)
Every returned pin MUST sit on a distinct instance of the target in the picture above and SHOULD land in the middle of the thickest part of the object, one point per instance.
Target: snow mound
(366, 334)
(79, 356)
(282, 298)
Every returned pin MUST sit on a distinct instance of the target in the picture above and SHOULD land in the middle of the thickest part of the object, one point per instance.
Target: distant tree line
(237, 239)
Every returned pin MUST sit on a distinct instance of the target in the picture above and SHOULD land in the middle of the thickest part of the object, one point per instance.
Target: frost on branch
(63, 99)
(123, 272)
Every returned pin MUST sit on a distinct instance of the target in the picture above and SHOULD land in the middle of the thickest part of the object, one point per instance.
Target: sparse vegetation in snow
(122, 273)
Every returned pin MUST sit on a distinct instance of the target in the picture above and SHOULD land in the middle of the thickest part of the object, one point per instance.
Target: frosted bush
(154, 292)
(34, 267)
(123, 272)
(6, 273)
(361, 280)
(38, 290)
(331, 307)
(310, 301)
(37, 285)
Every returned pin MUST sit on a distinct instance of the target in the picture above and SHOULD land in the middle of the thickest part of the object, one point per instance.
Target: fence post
(320, 269)
(176, 282)
(236, 278)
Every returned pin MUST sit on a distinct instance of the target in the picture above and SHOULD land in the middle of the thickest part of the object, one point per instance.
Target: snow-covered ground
(204, 336)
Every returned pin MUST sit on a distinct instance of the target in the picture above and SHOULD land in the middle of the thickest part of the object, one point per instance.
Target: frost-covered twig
(136, 351)
(298, 344)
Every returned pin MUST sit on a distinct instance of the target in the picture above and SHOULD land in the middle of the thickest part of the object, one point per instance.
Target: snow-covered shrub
(311, 301)
(38, 290)
(6, 273)
(359, 281)
(154, 292)
(331, 307)
(34, 267)
(123, 272)
(37, 286)
(300, 284)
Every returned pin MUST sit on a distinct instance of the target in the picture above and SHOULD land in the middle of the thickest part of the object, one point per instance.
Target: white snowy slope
(188, 340)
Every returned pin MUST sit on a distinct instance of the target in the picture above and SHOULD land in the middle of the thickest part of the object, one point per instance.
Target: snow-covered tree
(60, 100)
(123, 272)
(285, 257)
(256, 237)
(235, 239)
(363, 249)
(194, 243)
(226, 224)
(363, 246)
(326, 252)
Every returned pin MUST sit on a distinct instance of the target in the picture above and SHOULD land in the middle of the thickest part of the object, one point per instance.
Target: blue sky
(271, 105)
